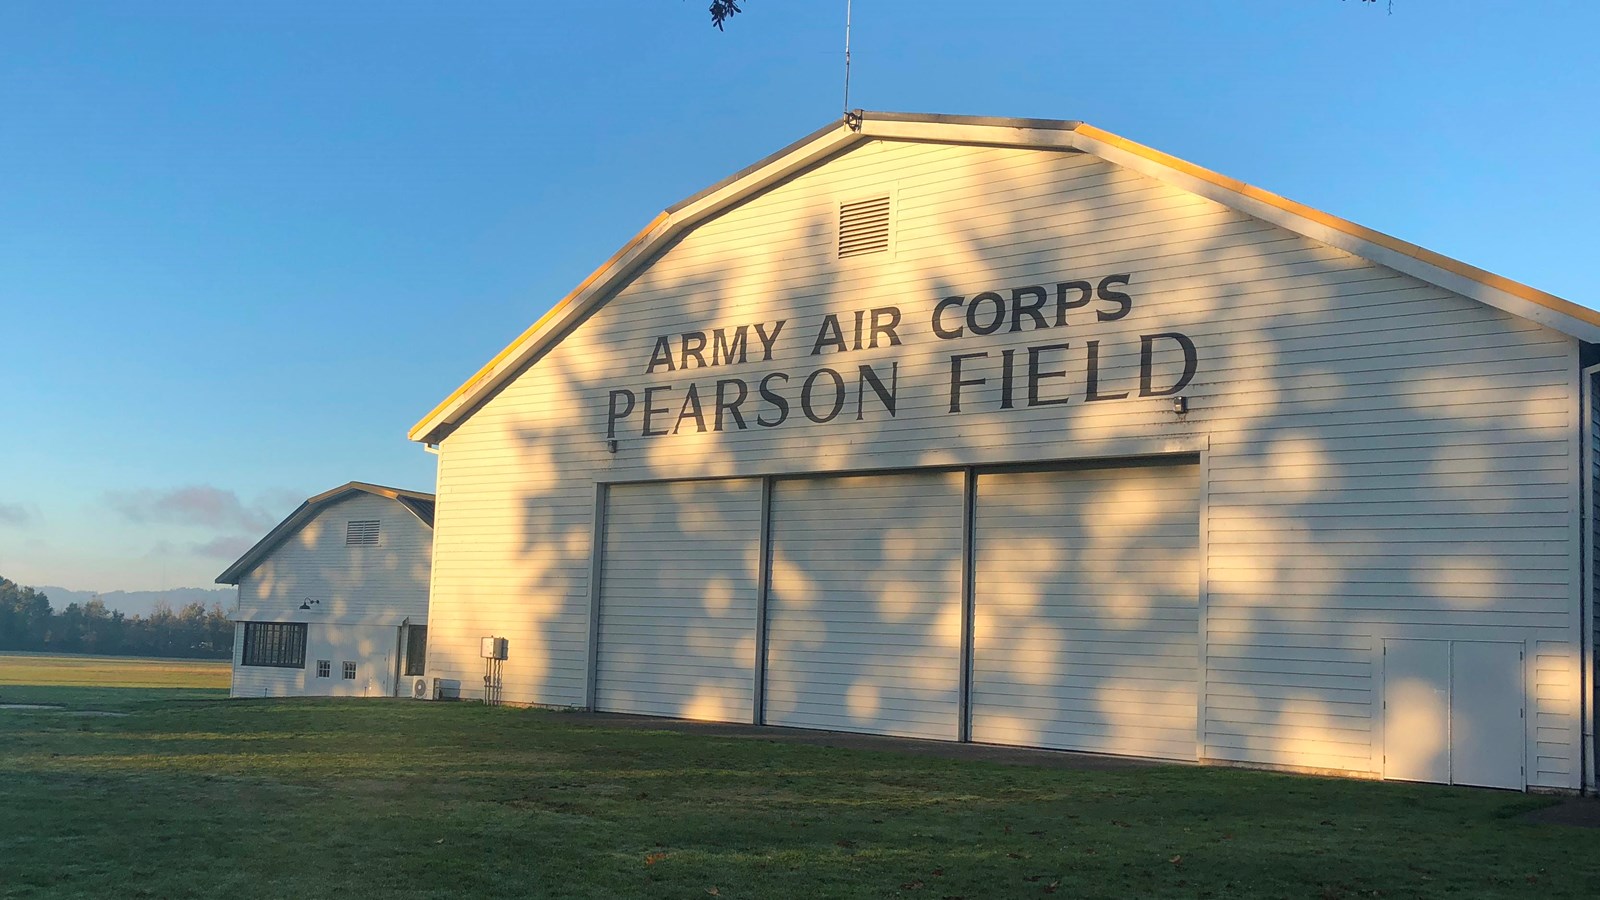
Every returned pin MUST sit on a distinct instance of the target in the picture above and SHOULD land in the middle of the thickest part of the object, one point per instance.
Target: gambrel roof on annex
(1041, 134)
(415, 502)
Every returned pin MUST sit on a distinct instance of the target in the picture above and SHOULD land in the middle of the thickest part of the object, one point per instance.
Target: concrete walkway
(1020, 756)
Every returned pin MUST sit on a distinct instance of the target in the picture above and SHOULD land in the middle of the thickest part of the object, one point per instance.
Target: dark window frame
(274, 645)
(348, 671)
(416, 650)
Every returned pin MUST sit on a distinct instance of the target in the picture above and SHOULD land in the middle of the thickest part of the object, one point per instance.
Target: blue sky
(244, 246)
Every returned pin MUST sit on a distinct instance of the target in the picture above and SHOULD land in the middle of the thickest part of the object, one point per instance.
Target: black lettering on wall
(730, 406)
(868, 377)
(1007, 377)
(774, 398)
(613, 414)
(957, 382)
(725, 350)
(999, 313)
(1085, 294)
(1036, 374)
(885, 319)
(660, 356)
(829, 335)
(861, 315)
(651, 410)
(943, 333)
(806, 405)
(1092, 378)
(693, 344)
(1123, 301)
(691, 401)
(1032, 310)
(1147, 363)
(767, 340)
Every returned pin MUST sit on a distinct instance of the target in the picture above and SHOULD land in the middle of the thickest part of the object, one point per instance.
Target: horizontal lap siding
(863, 612)
(386, 583)
(1343, 404)
(1085, 610)
(678, 600)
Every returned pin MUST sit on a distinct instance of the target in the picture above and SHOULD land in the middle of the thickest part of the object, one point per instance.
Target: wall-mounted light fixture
(1180, 405)
(308, 603)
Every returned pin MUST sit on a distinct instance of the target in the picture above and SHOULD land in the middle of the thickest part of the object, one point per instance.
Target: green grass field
(108, 682)
(368, 798)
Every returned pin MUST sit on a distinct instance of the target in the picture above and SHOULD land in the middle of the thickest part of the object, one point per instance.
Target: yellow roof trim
(416, 433)
(1007, 132)
(1422, 254)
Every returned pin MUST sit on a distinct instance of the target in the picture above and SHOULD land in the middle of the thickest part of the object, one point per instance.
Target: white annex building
(334, 600)
(1018, 432)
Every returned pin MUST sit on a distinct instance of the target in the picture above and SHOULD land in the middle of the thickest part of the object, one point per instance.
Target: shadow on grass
(119, 699)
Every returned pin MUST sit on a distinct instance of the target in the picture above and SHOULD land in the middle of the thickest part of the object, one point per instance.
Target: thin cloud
(201, 506)
(231, 547)
(15, 514)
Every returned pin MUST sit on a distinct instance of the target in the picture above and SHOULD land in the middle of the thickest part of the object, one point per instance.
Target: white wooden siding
(1085, 610)
(1386, 457)
(363, 594)
(864, 609)
(371, 647)
(385, 583)
(678, 600)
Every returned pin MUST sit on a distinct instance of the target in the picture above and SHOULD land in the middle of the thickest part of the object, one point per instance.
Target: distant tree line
(28, 623)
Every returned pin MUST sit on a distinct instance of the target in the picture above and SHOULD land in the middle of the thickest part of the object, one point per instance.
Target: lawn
(108, 682)
(385, 799)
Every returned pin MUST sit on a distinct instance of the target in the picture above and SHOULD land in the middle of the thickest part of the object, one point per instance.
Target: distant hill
(141, 603)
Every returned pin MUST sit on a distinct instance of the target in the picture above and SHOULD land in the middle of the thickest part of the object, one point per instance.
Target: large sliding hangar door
(1086, 610)
(676, 632)
(1051, 608)
(864, 608)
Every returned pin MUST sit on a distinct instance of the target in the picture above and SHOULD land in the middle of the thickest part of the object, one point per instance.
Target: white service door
(864, 606)
(1086, 610)
(1488, 738)
(1416, 710)
(678, 600)
(1453, 712)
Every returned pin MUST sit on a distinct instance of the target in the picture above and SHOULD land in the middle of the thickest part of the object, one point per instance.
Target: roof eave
(308, 510)
(1502, 293)
(623, 265)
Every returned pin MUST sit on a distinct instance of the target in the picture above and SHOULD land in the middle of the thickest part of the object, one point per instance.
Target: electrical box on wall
(493, 648)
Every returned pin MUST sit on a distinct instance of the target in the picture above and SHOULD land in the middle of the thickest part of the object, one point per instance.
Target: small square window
(350, 671)
(324, 668)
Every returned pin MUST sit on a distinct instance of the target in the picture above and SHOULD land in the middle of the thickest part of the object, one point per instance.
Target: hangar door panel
(678, 600)
(1086, 610)
(864, 606)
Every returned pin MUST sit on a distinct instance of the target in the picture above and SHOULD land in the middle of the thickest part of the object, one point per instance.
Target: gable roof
(415, 502)
(1045, 134)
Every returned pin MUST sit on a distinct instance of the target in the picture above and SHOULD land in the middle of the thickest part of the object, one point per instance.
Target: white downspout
(1586, 653)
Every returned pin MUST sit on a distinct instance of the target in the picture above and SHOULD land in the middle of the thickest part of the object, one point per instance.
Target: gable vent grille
(864, 227)
(361, 533)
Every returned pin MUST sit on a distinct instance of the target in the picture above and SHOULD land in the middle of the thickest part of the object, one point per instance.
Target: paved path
(1021, 756)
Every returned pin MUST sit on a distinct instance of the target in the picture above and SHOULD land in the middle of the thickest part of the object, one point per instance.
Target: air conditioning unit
(425, 689)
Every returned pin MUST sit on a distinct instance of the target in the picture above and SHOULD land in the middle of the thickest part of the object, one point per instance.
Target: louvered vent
(361, 533)
(864, 227)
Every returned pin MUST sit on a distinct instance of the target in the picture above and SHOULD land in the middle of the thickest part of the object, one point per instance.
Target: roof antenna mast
(850, 118)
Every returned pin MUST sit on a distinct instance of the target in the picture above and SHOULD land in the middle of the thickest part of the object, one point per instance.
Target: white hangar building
(1018, 432)
(334, 600)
